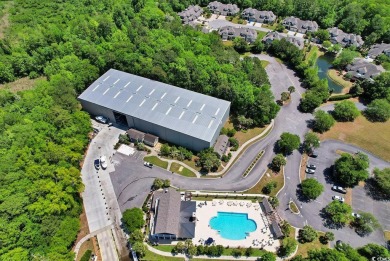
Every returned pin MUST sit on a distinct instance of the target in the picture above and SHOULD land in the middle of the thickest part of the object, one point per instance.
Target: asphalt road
(132, 181)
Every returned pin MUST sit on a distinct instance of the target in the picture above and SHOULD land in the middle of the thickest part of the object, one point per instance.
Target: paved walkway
(232, 160)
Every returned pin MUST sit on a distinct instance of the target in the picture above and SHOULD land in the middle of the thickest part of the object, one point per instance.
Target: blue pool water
(233, 226)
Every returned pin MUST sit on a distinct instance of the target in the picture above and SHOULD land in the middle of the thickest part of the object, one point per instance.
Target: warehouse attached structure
(173, 114)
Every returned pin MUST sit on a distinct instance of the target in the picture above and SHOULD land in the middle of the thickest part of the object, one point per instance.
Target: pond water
(324, 62)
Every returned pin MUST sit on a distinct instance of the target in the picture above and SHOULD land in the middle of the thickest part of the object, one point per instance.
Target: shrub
(233, 143)
(340, 97)
(86, 256)
(269, 187)
(133, 219)
(307, 234)
(124, 139)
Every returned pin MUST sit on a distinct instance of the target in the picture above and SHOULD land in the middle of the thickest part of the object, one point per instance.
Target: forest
(369, 18)
(44, 133)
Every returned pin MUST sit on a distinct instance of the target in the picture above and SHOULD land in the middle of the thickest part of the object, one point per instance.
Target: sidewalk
(162, 253)
(232, 160)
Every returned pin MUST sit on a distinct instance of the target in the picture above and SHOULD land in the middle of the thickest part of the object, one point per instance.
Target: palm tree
(291, 89)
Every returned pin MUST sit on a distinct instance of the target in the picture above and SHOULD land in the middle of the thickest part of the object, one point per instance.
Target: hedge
(340, 97)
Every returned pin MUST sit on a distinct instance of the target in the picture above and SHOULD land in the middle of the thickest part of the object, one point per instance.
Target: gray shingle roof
(298, 42)
(337, 36)
(190, 14)
(221, 145)
(276, 229)
(378, 49)
(231, 32)
(174, 108)
(223, 9)
(255, 15)
(135, 134)
(301, 26)
(362, 69)
(167, 212)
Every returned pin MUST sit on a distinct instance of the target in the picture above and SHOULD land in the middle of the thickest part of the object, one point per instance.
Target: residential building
(300, 26)
(172, 218)
(221, 145)
(254, 15)
(337, 36)
(231, 32)
(223, 9)
(271, 36)
(190, 14)
(361, 69)
(378, 49)
(176, 115)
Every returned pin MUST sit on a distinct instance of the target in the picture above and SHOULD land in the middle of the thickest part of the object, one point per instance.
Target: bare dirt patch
(4, 20)
(302, 173)
(21, 84)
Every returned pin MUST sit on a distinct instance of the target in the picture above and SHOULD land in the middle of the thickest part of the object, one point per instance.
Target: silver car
(310, 171)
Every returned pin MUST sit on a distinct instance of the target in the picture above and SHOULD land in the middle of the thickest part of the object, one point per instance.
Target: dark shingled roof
(267, 206)
(276, 229)
(150, 138)
(173, 215)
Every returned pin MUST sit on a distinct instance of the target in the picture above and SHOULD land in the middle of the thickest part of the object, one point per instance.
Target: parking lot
(360, 201)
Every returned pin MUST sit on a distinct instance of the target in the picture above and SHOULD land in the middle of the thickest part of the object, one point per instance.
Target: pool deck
(257, 239)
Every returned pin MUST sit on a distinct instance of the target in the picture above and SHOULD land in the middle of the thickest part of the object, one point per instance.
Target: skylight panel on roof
(154, 106)
(106, 78)
(142, 102)
(201, 108)
(150, 93)
(216, 112)
(211, 122)
(196, 117)
(181, 115)
(170, 108)
(126, 84)
(139, 88)
(116, 81)
(129, 98)
(189, 103)
(96, 87)
(163, 95)
(117, 94)
(106, 91)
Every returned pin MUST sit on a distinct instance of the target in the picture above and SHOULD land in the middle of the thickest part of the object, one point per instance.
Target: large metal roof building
(179, 116)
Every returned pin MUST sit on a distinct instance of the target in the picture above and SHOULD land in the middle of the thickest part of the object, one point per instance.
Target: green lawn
(165, 248)
(293, 207)
(150, 256)
(175, 167)
(268, 177)
(316, 244)
(264, 63)
(156, 161)
(261, 34)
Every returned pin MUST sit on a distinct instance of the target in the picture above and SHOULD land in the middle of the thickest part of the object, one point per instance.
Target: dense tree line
(370, 18)
(43, 133)
(140, 37)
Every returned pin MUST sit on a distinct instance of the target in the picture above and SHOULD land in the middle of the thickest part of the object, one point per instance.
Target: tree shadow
(310, 123)
(374, 192)
(328, 175)
(300, 196)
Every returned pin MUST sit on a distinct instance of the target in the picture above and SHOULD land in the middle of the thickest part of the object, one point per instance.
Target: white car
(310, 171)
(355, 215)
(103, 162)
(341, 199)
(101, 119)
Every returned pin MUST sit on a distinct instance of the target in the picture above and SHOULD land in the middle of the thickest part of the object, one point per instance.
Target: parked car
(103, 162)
(341, 199)
(96, 163)
(311, 166)
(310, 171)
(148, 164)
(96, 130)
(339, 242)
(101, 119)
(339, 189)
(355, 215)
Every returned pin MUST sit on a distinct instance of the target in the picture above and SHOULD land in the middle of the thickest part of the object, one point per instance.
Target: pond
(324, 62)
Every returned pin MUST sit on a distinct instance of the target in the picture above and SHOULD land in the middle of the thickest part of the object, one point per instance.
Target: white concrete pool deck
(203, 231)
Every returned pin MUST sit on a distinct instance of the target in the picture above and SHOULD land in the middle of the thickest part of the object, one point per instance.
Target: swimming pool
(234, 226)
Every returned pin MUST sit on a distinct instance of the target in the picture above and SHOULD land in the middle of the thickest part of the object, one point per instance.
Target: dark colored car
(339, 189)
(313, 155)
(96, 163)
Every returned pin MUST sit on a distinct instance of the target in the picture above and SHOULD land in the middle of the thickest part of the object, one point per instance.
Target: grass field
(244, 135)
(228, 43)
(150, 256)
(293, 207)
(272, 27)
(316, 244)
(261, 34)
(373, 137)
(175, 167)
(264, 63)
(268, 176)
(387, 235)
(156, 161)
(338, 78)
(21, 84)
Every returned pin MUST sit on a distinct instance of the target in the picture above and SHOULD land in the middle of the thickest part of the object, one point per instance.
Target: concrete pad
(204, 214)
(299, 35)
(126, 150)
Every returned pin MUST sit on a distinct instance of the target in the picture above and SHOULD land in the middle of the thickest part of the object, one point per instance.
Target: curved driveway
(289, 119)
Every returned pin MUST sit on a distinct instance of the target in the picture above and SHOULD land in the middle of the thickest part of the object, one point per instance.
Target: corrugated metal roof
(188, 112)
